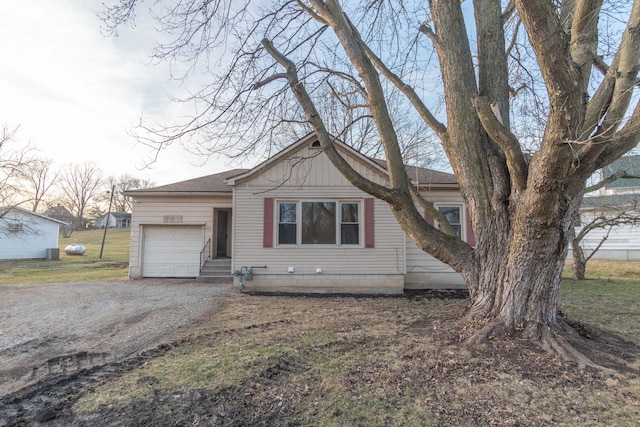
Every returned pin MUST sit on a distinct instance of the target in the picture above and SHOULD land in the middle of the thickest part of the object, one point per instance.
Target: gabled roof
(58, 211)
(418, 176)
(116, 215)
(8, 209)
(223, 182)
(628, 164)
(204, 185)
(307, 139)
(423, 176)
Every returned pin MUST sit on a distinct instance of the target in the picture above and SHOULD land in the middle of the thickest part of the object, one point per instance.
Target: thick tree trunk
(518, 282)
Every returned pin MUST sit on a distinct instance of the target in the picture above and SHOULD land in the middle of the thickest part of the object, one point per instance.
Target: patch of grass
(608, 299)
(74, 268)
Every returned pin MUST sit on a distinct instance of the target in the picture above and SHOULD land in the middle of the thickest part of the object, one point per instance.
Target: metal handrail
(205, 254)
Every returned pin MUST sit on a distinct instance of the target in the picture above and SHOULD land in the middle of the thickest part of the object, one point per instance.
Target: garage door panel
(171, 251)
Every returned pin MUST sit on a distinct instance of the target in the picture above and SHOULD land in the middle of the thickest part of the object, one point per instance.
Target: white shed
(25, 234)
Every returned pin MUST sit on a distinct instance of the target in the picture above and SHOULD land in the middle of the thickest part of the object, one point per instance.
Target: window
(349, 226)
(287, 229)
(318, 223)
(452, 213)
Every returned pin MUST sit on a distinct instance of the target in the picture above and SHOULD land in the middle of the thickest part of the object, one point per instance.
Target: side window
(287, 224)
(349, 224)
(453, 215)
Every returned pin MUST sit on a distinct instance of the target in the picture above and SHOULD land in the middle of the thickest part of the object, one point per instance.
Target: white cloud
(75, 93)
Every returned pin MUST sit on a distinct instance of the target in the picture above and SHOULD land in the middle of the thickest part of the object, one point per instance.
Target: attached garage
(171, 250)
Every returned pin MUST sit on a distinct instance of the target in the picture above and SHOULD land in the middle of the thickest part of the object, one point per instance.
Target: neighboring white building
(628, 164)
(292, 224)
(25, 234)
(618, 243)
(114, 220)
(621, 242)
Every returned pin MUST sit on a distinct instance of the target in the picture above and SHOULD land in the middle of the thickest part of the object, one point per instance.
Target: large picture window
(318, 223)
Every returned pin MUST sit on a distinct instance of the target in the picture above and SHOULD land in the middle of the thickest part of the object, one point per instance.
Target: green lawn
(112, 265)
(608, 299)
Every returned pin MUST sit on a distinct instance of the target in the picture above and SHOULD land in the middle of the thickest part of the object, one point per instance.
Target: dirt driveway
(59, 329)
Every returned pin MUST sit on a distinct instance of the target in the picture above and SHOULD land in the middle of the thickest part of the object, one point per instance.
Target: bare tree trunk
(579, 260)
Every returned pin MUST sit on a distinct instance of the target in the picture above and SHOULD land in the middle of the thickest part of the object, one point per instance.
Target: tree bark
(579, 261)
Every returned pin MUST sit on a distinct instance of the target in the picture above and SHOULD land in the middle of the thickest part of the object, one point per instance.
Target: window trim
(338, 223)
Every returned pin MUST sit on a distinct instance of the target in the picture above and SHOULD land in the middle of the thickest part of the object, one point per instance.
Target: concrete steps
(216, 270)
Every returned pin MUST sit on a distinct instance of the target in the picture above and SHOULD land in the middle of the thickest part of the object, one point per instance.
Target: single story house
(25, 234)
(291, 224)
(113, 220)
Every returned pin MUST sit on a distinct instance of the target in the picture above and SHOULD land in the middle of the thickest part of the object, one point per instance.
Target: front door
(222, 233)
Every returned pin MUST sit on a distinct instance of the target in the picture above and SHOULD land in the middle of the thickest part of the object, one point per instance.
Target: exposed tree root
(549, 338)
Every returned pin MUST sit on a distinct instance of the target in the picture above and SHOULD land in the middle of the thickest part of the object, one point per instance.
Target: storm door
(222, 233)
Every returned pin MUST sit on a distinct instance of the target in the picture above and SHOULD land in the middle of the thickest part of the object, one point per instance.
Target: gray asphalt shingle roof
(206, 184)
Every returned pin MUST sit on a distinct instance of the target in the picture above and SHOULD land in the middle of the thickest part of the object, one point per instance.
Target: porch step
(216, 270)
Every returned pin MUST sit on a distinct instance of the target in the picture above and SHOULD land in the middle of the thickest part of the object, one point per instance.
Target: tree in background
(12, 163)
(123, 183)
(482, 84)
(80, 184)
(37, 178)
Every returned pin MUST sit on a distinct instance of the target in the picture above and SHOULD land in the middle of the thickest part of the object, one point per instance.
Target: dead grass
(266, 360)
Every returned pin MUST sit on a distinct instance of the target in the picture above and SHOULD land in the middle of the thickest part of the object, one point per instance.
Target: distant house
(113, 220)
(61, 213)
(622, 242)
(292, 224)
(25, 234)
(628, 164)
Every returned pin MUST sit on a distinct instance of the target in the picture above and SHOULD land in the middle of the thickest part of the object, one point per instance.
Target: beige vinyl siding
(343, 268)
(426, 272)
(387, 257)
(423, 270)
(312, 168)
(156, 210)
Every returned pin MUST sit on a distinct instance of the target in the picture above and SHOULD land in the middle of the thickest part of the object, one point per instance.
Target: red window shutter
(428, 217)
(471, 237)
(369, 236)
(267, 235)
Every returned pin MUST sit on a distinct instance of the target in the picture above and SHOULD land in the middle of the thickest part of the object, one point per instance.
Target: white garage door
(171, 251)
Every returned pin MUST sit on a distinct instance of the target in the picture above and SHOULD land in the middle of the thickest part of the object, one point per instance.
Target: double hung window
(453, 215)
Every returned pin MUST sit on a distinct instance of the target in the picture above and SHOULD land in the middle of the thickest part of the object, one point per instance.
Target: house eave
(177, 193)
(435, 186)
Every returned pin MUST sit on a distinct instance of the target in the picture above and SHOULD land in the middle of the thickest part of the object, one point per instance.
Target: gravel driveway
(47, 330)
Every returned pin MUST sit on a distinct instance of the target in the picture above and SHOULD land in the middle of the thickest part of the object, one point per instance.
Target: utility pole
(106, 225)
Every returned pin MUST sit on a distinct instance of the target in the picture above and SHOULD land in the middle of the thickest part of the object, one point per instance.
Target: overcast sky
(75, 93)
